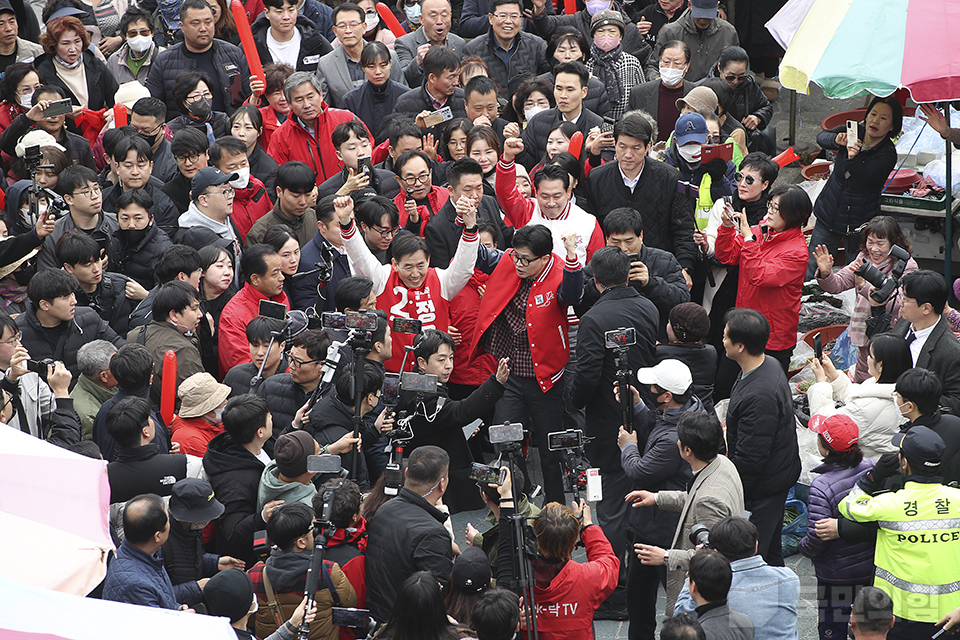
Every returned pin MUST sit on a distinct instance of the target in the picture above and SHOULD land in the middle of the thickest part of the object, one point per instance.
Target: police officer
(918, 543)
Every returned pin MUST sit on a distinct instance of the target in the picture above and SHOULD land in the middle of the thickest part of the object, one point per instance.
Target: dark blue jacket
(108, 446)
(836, 561)
(372, 105)
(137, 578)
(305, 289)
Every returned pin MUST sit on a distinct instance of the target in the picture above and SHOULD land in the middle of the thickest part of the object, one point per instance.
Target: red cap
(839, 431)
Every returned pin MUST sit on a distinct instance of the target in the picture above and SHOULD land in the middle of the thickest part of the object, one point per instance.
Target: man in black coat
(407, 533)
(918, 396)
(352, 142)
(287, 392)
(655, 274)
(443, 231)
(645, 185)
(138, 241)
(276, 20)
(234, 462)
(932, 343)
(761, 429)
(438, 90)
(619, 307)
(134, 160)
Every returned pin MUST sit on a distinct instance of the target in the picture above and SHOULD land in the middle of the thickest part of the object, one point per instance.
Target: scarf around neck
(605, 68)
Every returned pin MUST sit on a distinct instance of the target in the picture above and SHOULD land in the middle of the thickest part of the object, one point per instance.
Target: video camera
(576, 474)
(402, 432)
(884, 285)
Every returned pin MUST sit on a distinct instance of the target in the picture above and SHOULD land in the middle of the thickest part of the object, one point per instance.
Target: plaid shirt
(507, 337)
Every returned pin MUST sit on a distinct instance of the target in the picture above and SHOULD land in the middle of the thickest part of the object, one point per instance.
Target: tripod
(524, 548)
(623, 377)
(322, 530)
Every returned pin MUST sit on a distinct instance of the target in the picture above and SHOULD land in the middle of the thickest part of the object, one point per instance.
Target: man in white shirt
(281, 37)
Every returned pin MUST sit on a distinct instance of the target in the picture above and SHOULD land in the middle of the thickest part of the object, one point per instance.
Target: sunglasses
(744, 177)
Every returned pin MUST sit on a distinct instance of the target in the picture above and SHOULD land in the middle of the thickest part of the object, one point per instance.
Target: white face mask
(243, 178)
(26, 101)
(690, 153)
(532, 111)
(670, 76)
(372, 20)
(218, 414)
(255, 606)
(413, 13)
(140, 43)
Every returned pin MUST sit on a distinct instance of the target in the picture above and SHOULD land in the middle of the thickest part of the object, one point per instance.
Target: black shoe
(608, 612)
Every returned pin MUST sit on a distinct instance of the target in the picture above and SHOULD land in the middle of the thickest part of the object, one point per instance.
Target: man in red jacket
(523, 316)
(250, 199)
(306, 134)
(262, 280)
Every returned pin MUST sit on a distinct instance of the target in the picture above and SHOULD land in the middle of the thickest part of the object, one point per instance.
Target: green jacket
(272, 488)
(488, 540)
(88, 396)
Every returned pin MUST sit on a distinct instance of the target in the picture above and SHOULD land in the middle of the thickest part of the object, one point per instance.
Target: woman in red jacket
(566, 592)
(772, 257)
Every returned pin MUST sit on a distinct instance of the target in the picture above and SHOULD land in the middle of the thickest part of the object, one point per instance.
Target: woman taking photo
(860, 170)
(581, 586)
(483, 145)
(281, 238)
(870, 404)
(869, 316)
(191, 91)
(772, 258)
(246, 125)
(374, 100)
(68, 62)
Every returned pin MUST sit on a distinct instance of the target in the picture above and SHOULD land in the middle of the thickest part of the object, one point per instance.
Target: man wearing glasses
(512, 55)
(189, 148)
(419, 199)
(81, 192)
(211, 205)
(379, 222)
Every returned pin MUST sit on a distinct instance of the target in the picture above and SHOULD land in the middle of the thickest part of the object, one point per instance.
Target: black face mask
(201, 109)
(24, 274)
(150, 140)
(133, 237)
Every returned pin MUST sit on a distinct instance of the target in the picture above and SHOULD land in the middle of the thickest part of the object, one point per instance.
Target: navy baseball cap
(208, 177)
(920, 445)
(704, 9)
(691, 127)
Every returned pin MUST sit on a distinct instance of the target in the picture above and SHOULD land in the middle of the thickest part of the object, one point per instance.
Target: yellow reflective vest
(918, 546)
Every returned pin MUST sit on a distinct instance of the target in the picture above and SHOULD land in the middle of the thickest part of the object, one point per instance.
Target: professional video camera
(619, 340)
(420, 384)
(576, 474)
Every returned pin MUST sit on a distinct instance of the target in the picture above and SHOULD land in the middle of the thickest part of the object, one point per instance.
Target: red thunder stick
(246, 39)
(576, 144)
(387, 16)
(168, 389)
(119, 115)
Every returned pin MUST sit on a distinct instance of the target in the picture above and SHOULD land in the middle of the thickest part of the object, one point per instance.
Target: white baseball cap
(670, 375)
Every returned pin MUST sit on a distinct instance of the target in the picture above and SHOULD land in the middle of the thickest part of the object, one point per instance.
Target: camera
(487, 474)
(407, 325)
(620, 338)
(390, 393)
(699, 535)
(350, 617)
(350, 320)
(39, 367)
(569, 439)
(506, 432)
(883, 284)
(270, 309)
(422, 382)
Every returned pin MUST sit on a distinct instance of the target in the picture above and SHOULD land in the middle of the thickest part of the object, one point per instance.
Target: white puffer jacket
(870, 404)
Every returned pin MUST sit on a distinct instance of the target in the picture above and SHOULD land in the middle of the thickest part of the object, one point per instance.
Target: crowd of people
(522, 204)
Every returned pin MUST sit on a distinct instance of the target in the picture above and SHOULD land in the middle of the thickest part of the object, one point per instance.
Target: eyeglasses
(348, 25)
(504, 17)
(744, 177)
(423, 178)
(296, 364)
(773, 206)
(89, 191)
(199, 96)
(15, 340)
(226, 191)
(385, 233)
(151, 132)
(190, 159)
(521, 260)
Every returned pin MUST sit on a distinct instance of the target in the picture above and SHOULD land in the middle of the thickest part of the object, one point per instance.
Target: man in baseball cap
(211, 203)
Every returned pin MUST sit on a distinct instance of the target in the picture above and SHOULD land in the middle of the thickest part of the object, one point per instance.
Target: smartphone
(487, 474)
(425, 382)
(326, 463)
(365, 165)
(620, 338)
(407, 325)
(569, 439)
(438, 117)
(390, 394)
(851, 131)
(818, 347)
(58, 108)
(350, 617)
(710, 152)
(270, 309)
(506, 432)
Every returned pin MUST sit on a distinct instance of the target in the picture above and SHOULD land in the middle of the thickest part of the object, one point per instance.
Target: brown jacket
(160, 337)
(304, 227)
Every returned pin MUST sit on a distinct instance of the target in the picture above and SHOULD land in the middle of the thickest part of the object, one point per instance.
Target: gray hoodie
(195, 218)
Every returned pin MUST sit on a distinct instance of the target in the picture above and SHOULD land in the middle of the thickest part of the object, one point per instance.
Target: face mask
(596, 6)
(372, 20)
(900, 408)
(671, 77)
(24, 275)
(26, 101)
(690, 153)
(255, 606)
(243, 178)
(132, 237)
(150, 140)
(201, 108)
(532, 111)
(218, 414)
(28, 219)
(606, 43)
(198, 526)
(413, 13)
(139, 44)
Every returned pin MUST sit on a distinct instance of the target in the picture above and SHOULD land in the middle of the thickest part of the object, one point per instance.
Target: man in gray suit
(716, 493)
(710, 578)
(434, 31)
(339, 71)
(666, 91)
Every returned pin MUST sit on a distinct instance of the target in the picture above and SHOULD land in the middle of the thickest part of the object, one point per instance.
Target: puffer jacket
(870, 404)
(233, 74)
(193, 434)
(405, 535)
(596, 100)
(291, 141)
(235, 474)
(287, 574)
(137, 262)
(658, 468)
(101, 85)
(104, 230)
(312, 44)
(186, 562)
(836, 561)
(164, 212)
(249, 205)
(632, 42)
(330, 420)
(529, 59)
(137, 578)
(852, 193)
(110, 301)
(85, 327)
(748, 100)
(284, 396)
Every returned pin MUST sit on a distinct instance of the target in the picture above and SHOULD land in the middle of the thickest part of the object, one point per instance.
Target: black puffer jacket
(312, 44)
(632, 42)
(748, 100)
(330, 420)
(144, 469)
(77, 147)
(136, 262)
(233, 74)
(185, 562)
(852, 194)
(165, 213)
(667, 215)
(443, 233)
(701, 359)
(655, 465)
(528, 60)
(235, 474)
(85, 327)
(101, 85)
(284, 398)
(596, 100)
(405, 535)
(110, 301)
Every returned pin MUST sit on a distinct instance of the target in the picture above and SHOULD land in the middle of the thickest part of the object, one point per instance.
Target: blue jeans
(824, 236)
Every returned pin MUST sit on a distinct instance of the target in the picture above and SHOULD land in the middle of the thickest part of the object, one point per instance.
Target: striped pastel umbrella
(849, 47)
